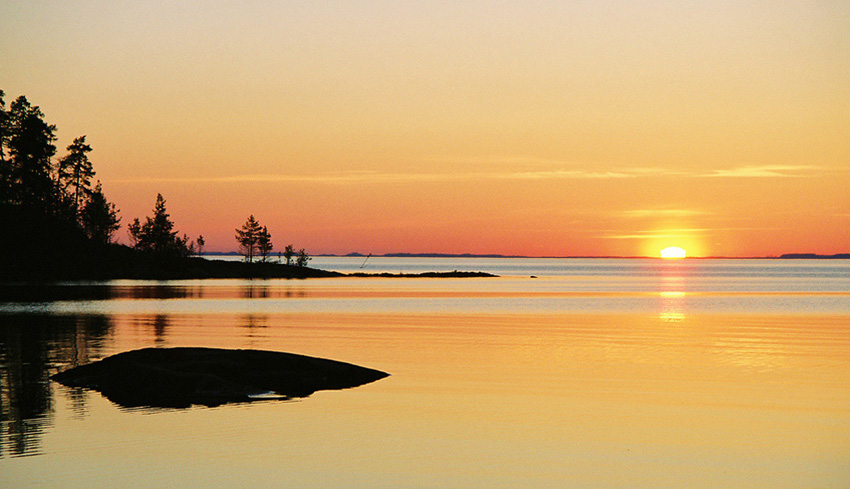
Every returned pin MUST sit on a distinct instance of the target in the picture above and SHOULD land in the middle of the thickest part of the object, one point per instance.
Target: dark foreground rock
(181, 377)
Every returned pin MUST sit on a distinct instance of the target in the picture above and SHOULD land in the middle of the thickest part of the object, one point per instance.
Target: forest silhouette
(57, 223)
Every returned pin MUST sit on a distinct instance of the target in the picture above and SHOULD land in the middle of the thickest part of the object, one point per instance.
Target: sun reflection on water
(672, 296)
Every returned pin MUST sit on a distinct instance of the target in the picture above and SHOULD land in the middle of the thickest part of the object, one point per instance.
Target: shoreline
(784, 256)
(118, 262)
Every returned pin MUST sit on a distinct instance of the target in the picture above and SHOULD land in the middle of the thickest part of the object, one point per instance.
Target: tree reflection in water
(33, 347)
(160, 328)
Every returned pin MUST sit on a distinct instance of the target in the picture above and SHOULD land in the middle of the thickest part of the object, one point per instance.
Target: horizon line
(783, 256)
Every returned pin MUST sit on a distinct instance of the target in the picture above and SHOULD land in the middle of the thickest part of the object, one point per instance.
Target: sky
(539, 128)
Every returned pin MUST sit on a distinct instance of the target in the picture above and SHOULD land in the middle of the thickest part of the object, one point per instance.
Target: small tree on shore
(302, 259)
(264, 244)
(200, 244)
(157, 234)
(248, 237)
(288, 253)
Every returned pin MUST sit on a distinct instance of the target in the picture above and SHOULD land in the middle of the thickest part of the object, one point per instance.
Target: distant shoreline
(787, 256)
(118, 262)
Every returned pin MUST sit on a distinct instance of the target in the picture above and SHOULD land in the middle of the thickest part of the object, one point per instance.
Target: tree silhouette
(30, 143)
(302, 259)
(264, 244)
(157, 234)
(99, 217)
(248, 237)
(75, 170)
(41, 199)
(288, 254)
(5, 168)
(200, 242)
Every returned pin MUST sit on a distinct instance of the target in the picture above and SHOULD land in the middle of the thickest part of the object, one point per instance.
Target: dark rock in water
(180, 377)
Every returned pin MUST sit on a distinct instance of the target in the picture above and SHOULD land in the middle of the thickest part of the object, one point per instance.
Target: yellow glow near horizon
(673, 252)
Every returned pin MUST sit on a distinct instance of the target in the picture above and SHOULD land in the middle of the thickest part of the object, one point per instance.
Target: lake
(595, 373)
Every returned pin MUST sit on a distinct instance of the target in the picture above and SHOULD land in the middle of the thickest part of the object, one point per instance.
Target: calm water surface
(598, 373)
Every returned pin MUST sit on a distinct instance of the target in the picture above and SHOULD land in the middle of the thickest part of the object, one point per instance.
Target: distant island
(813, 256)
(432, 255)
(453, 274)
(787, 256)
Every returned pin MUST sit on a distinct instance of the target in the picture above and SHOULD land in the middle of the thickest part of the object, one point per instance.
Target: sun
(673, 252)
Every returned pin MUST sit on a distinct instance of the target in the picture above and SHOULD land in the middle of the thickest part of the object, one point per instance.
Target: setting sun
(673, 252)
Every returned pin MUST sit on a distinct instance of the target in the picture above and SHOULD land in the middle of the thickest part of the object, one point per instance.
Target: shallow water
(599, 373)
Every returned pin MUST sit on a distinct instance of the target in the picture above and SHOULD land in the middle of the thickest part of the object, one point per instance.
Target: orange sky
(535, 128)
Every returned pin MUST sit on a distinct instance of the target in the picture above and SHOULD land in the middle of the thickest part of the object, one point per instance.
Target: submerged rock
(181, 377)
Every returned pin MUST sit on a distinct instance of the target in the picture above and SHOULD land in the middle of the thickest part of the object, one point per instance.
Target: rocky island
(182, 377)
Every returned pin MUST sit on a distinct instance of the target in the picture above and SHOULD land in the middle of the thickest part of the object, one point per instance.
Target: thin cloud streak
(639, 213)
(684, 233)
(667, 233)
(764, 171)
(516, 160)
(366, 177)
(378, 178)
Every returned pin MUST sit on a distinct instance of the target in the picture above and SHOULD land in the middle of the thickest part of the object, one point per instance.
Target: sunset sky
(541, 128)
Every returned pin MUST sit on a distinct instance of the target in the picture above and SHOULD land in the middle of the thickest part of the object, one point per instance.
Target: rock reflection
(31, 349)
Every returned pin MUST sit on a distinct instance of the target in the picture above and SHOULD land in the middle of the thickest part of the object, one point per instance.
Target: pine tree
(75, 171)
(157, 234)
(264, 244)
(5, 168)
(30, 143)
(99, 217)
(160, 230)
(248, 237)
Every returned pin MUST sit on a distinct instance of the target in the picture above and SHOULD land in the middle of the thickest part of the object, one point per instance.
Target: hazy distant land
(122, 262)
(786, 256)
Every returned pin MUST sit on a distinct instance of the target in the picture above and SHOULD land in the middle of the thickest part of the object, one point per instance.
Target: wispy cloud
(769, 171)
(685, 232)
(647, 171)
(370, 177)
(639, 213)
(384, 177)
(506, 160)
(327, 178)
(569, 174)
(665, 233)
